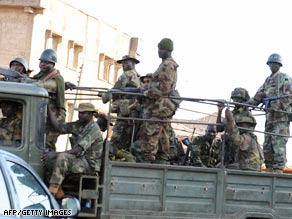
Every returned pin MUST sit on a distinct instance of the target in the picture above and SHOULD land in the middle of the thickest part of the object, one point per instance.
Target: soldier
(124, 106)
(152, 145)
(20, 65)
(52, 80)
(238, 95)
(146, 80)
(84, 157)
(11, 123)
(206, 149)
(250, 154)
(277, 120)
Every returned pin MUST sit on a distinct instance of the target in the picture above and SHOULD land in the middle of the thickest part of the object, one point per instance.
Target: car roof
(13, 157)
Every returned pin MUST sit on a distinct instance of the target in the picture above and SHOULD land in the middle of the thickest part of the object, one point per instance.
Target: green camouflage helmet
(241, 93)
(275, 58)
(49, 55)
(166, 44)
(22, 61)
(246, 119)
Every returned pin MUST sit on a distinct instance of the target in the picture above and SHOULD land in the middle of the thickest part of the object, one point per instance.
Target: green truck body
(136, 190)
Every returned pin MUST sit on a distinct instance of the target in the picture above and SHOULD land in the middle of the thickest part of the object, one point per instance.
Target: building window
(108, 69)
(53, 41)
(74, 54)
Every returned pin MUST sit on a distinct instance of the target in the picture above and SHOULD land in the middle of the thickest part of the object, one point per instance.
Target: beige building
(87, 48)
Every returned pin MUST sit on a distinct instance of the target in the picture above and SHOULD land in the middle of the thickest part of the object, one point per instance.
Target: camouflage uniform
(204, 153)
(230, 154)
(250, 154)
(10, 130)
(53, 82)
(55, 88)
(88, 137)
(276, 84)
(124, 106)
(153, 138)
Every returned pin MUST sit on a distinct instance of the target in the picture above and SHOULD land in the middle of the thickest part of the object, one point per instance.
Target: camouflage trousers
(66, 164)
(51, 134)
(122, 136)
(275, 146)
(153, 143)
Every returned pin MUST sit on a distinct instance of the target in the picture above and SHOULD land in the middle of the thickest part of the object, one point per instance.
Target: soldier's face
(146, 83)
(211, 135)
(85, 117)
(7, 110)
(16, 66)
(46, 67)
(163, 54)
(274, 66)
(128, 65)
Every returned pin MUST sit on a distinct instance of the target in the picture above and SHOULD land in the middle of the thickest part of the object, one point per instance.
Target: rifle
(189, 145)
(127, 90)
(266, 102)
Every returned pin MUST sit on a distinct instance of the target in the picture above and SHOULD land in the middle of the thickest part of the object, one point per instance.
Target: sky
(218, 44)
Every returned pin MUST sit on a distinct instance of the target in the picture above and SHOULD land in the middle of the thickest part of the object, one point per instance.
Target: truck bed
(174, 192)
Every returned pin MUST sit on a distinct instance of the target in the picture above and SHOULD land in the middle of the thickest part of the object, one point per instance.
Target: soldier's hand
(153, 93)
(220, 106)
(48, 156)
(69, 85)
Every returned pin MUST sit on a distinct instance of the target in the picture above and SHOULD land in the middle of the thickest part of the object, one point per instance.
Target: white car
(23, 194)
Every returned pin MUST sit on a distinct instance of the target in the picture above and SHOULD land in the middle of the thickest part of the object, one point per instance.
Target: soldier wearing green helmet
(240, 132)
(52, 80)
(277, 120)
(238, 95)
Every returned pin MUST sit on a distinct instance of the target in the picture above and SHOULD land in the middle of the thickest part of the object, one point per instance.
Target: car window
(11, 123)
(29, 191)
(5, 203)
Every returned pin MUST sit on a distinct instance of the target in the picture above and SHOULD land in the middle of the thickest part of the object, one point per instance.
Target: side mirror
(71, 204)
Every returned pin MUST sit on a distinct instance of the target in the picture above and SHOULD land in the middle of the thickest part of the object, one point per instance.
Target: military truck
(135, 190)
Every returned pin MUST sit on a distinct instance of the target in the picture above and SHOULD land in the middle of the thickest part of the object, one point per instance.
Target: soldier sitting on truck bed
(84, 157)
(205, 149)
(240, 131)
(11, 123)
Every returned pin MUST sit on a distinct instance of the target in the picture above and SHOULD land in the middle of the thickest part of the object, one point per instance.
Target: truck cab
(32, 104)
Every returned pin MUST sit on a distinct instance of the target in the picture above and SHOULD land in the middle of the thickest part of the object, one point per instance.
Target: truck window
(11, 123)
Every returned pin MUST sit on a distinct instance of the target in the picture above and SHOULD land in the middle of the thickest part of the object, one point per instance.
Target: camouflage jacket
(122, 104)
(276, 84)
(89, 138)
(205, 154)
(10, 130)
(163, 83)
(237, 113)
(167, 71)
(250, 154)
